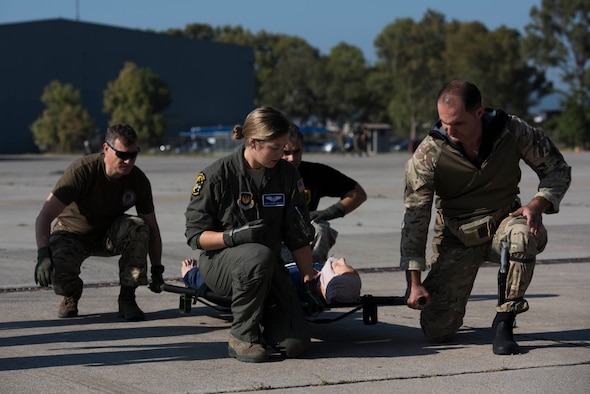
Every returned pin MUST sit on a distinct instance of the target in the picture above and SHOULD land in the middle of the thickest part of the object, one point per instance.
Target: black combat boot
(128, 308)
(503, 342)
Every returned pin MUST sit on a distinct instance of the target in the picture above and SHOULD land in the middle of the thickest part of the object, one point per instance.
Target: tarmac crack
(393, 379)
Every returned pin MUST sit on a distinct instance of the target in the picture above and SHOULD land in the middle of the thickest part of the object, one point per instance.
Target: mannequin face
(340, 267)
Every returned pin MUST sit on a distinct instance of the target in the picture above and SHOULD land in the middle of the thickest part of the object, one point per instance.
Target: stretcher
(367, 303)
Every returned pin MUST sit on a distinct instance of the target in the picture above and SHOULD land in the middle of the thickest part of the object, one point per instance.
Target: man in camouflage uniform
(470, 160)
(89, 202)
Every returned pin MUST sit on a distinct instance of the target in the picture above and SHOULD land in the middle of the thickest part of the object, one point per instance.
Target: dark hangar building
(211, 84)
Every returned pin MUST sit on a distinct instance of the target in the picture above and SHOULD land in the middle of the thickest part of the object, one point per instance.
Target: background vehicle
(331, 146)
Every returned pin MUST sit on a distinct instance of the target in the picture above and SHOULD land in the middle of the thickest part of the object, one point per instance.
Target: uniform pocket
(474, 232)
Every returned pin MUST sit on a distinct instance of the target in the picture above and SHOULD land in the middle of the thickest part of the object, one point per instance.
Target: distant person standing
(364, 142)
(470, 161)
(341, 141)
(89, 202)
(320, 181)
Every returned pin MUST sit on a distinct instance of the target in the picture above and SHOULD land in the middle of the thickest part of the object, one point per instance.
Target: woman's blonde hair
(262, 124)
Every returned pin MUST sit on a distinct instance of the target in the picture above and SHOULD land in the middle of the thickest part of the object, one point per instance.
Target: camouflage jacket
(466, 188)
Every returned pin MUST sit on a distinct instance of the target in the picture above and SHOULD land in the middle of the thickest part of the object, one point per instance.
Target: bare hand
(417, 297)
(533, 212)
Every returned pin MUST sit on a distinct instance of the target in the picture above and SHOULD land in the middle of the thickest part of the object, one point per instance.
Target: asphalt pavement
(175, 352)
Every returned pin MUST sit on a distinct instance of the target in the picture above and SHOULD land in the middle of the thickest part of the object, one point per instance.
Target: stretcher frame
(367, 303)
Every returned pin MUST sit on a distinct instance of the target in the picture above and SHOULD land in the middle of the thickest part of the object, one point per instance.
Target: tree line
(137, 97)
(414, 58)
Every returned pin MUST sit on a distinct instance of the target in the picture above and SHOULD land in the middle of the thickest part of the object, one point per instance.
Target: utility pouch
(474, 232)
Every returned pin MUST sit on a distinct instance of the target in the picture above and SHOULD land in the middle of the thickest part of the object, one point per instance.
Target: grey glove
(332, 212)
(157, 278)
(313, 303)
(44, 267)
(253, 232)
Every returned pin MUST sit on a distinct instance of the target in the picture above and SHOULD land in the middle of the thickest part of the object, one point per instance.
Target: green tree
(64, 124)
(138, 97)
(493, 60)
(196, 31)
(414, 59)
(234, 35)
(379, 89)
(289, 75)
(417, 57)
(574, 122)
(557, 38)
(410, 54)
(347, 99)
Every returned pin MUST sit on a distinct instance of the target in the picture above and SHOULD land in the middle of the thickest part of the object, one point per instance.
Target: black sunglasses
(124, 155)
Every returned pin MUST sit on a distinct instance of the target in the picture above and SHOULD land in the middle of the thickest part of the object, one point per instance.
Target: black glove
(313, 303)
(157, 279)
(332, 212)
(44, 267)
(253, 232)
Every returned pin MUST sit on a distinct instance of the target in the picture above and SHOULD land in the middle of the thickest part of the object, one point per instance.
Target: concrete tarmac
(173, 352)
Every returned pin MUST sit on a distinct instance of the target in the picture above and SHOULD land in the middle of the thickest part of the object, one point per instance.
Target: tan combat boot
(249, 352)
(68, 307)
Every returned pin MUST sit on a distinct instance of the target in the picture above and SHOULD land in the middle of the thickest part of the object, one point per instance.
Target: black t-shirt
(321, 180)
(94, 201)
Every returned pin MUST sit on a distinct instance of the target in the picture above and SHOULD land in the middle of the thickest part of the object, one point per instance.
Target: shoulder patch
(198, 184)
(300, 185)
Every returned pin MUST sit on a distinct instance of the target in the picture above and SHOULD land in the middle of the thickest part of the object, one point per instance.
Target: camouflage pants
(455, 266)
(128, 236)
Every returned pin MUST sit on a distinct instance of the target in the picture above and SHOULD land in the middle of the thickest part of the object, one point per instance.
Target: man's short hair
(467, 91)
(122, 132)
